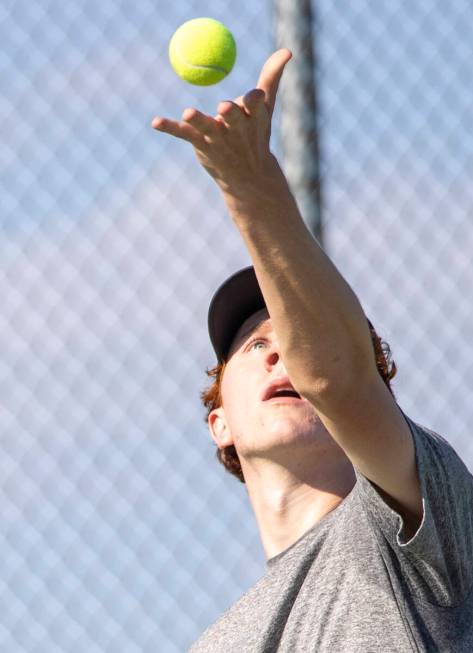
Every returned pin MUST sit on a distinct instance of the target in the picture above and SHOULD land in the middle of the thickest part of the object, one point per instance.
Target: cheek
(239, 396)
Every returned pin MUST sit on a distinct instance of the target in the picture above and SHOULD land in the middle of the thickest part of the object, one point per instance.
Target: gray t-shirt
(353, 584)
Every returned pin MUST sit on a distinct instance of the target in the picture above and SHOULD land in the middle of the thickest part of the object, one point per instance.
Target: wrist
(268, 184)
(267, 201)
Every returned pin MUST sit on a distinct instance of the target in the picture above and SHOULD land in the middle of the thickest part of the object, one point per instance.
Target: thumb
(271, 74)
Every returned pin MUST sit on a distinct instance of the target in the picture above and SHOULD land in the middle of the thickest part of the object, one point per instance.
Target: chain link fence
(120, 531)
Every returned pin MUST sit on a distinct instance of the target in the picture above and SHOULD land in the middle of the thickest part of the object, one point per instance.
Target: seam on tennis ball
(218, 69)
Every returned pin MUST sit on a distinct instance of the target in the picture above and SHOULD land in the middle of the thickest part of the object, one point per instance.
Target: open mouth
(279, 389)
(286, 397)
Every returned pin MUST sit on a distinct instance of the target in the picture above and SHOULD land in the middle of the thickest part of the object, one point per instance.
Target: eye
(255, 341)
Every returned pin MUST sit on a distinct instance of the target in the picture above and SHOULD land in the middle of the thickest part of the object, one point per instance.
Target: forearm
(321, 327)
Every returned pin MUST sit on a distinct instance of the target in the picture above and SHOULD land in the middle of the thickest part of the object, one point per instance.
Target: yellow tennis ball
(202, 51)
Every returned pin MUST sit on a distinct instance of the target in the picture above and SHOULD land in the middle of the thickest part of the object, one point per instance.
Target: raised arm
(321, 327)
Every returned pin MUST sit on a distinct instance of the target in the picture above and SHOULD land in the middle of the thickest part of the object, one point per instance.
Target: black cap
(235, 300)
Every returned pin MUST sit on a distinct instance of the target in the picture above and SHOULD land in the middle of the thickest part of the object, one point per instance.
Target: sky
(120, 530)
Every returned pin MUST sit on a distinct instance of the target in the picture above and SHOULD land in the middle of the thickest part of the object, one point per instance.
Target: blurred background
(119, 529)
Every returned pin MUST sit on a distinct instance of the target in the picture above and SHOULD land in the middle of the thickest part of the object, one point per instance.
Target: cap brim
(235, 300)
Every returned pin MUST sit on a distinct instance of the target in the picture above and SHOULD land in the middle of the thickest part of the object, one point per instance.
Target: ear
(219, 429)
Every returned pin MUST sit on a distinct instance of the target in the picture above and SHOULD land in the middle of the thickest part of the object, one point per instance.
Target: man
(365, 516)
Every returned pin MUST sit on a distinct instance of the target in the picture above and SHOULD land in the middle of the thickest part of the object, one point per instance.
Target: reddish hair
(212, 396)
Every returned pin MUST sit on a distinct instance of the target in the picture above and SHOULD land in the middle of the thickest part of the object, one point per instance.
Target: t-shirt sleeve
(437, 559)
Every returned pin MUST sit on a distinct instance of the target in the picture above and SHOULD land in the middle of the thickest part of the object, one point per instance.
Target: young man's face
(269, 429)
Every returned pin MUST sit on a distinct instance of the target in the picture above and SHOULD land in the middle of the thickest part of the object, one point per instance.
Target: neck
(289, 502)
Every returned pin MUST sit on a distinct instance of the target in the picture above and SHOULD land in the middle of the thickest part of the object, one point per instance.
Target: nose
(273, 358)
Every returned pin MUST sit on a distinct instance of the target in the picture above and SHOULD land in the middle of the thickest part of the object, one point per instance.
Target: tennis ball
(202, 51)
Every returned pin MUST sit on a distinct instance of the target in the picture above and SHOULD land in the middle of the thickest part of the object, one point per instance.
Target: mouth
(284, 400)
(280, 387)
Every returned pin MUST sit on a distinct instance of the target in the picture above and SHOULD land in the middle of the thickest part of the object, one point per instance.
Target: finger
(179, 130)
(253, 101)
(206, 125)
(260, 125)
(239, 102)
(231, 112)
(270, 76)
(227, 106)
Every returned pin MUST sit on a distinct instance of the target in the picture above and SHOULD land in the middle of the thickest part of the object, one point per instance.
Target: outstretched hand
(233, 146)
